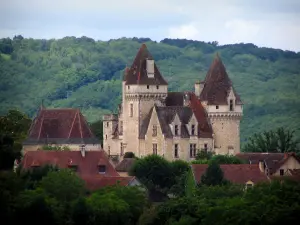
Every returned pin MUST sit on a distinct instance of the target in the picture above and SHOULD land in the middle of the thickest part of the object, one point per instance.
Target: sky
(265, 23)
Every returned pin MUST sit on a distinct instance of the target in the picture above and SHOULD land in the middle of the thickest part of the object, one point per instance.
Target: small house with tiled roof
(273, 164)
(242, 174)
(60, 127)
(152, 120)
(94, 167)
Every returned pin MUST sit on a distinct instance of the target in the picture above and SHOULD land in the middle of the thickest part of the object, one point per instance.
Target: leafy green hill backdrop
(86, 74)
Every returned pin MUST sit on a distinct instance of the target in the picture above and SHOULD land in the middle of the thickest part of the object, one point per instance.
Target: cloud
(264, 23)
(188, 31)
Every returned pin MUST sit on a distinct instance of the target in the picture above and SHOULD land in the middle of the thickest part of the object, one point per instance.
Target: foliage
(129, 155)
(7, 153)
(33, 176)
(227, 159)
(204, 155)
(153, 171)
(55, 148)
(213, 175)
(279, 140)
(86, 74)
(97, 129)
(64, 185)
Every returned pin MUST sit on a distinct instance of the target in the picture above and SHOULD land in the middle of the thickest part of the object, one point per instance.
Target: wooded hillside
(84, 73)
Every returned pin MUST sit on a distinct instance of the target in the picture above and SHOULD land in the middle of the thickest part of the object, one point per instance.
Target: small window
(192, 150)
(102, 169)
(107, 124)
(154, 147)
(176, 150)
(131, 110)
(154, 134)
(205, 147)
(106, 136)
(157, 87)
(147, 86)
(176, 130)
(217, 107)
(281, 172)
(108, 151)
(121, 126)
(231, 105)
(249, 185)
(121, 149)
(128, 87)
(193, 130)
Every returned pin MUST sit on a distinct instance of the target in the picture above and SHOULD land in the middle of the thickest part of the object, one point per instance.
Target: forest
(85, 73)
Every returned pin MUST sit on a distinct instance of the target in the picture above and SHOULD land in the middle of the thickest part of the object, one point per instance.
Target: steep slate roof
(217, 85)
(60, 126)
(125, 165)
(86, 166)
(174, 105)
(273, 161)
(137, 73)
(235, 173)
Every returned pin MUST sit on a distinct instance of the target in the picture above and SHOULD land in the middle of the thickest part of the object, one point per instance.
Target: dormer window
(101, 169)
(281, 172)
(193, 130)
(176, 130)
(230, 105)
(150, 68)
(154, 134)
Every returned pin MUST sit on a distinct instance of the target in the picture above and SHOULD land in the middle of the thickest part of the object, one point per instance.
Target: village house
(175, 125)
(242, 174)
(94, 167)
(60, 128)
(273, 164)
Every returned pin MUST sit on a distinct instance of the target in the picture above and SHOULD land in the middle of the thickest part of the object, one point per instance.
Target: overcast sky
(266, 23)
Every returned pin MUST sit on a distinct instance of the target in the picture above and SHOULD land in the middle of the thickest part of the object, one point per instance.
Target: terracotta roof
(125, 165)
(87, 165)
(60, 126)
(217, 85)
(97, 182)
(273, 161)
(137, 73)
(235, 173)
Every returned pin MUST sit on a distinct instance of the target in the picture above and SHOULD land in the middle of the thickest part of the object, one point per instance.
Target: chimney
(261, 166)
(82, 150)
(198, 88)
(150, 68)
(186, 99)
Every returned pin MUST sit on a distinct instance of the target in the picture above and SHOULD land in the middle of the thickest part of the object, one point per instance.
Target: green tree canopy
(213, 175)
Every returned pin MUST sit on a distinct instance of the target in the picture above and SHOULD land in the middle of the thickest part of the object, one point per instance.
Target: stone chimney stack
(198, 88)
(82, 150)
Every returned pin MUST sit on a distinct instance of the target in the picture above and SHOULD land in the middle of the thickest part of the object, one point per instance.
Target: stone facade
(175, 125)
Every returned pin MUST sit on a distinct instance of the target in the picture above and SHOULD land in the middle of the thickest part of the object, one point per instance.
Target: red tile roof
(96, 182)
(217, 85)
(60, 124)
(273, 161)
(87, 165)
(137, 73)
(235, 173)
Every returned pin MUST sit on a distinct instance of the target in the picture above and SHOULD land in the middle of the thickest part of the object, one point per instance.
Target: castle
(175, 125)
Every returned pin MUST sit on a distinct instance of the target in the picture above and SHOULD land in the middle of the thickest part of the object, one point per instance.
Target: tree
(226, 159)
(64, 185)
(279, 140)
(213, 175)
(97, 129)
(153, 171)
(7, 153)
(129, 155)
